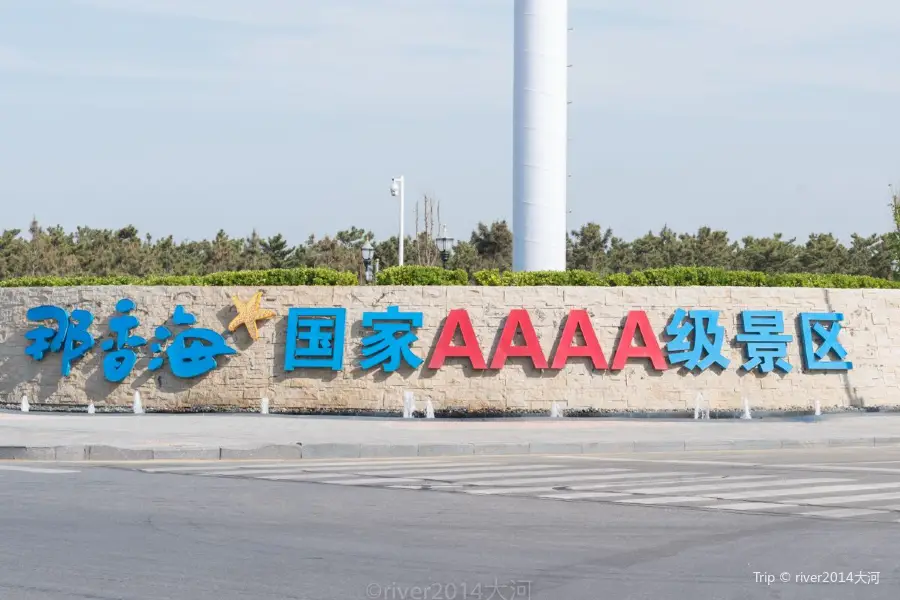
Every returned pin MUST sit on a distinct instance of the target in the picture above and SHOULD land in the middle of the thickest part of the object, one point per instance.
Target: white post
(697, 406)
(25, 406)
(818, 409)
(554, 411)
(402, 213)
(136, 405)
(264, 406)
(746, 414)
(398, 188)
(429, 409)
(409, 405)
(91, 409)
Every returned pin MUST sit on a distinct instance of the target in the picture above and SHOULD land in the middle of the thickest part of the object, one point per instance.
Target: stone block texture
(871, 320)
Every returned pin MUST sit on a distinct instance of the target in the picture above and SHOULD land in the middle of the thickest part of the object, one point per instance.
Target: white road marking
(36, 470)
(750, 506)
(806, 491)
(479, 471)
(561, 475)
(371, 480)
(297, 476)
(303, 465)
(726, 486)
(838, 468)
(653, 482)
(474, 472)
(840, 513)
(846, 499)
(489, 491)
(664, 500)
(584, 495)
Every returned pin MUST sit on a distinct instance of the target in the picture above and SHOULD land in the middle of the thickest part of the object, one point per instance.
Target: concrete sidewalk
(50, 436)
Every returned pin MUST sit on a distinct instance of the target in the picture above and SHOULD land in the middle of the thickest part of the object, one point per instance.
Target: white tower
(540, 136)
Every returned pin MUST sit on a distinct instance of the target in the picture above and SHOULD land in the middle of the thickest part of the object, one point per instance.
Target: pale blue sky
(187, 116)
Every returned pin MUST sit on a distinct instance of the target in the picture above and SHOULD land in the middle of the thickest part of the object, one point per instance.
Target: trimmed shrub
(682, 276)
(416, 275)
(270, 277)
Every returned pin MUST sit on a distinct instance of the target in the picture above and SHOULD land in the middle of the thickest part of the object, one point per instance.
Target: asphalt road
(454, 529)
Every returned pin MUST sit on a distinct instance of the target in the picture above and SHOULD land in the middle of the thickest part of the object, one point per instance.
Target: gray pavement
(115, 531)
(49, 436)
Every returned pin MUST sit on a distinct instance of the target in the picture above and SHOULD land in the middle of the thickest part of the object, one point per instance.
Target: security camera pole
(397, 185)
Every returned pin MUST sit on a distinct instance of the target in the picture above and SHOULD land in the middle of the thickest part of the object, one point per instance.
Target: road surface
(682, 526)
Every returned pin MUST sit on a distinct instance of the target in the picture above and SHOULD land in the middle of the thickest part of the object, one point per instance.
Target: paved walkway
(48, 436)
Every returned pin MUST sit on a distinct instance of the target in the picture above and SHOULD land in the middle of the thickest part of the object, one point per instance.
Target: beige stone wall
(870, 334)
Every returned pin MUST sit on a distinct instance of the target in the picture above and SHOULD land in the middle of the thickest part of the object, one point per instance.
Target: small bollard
(409, 405)
(555, 413)
(818, 409)
(264, 406)
(746, 414)
(136, 406)
(24, 405)
(91, 409)
(429, 409)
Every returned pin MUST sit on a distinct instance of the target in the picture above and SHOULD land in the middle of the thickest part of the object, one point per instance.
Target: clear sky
(187, 116)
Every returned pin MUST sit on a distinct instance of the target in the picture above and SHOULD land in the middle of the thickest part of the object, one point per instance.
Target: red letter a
(638, 320)
(579, 319)
(532, 349)
(457, 319)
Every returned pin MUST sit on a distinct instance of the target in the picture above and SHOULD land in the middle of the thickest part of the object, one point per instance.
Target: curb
(100, 453)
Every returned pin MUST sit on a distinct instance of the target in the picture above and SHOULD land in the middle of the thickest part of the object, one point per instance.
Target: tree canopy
(52, 251)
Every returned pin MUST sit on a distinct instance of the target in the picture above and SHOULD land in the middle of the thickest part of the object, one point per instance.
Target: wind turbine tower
(540, 134)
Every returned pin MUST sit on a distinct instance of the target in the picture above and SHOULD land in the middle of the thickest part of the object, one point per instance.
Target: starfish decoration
(248, 314)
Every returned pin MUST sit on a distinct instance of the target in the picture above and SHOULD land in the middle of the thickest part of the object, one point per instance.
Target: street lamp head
(444, 243)
(367, 252)
(395, 187)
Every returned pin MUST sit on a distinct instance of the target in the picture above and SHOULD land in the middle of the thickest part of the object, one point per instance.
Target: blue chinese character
(383, 346)
(765, 339)
(71, 334)
(192, 352)
(119, 362)
(707, 339)
(812, 323)
(315, 338)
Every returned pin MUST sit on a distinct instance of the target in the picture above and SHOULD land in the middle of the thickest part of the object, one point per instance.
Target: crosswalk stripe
(561, 475)
(311, 466)
(805, 491)
(487, 470)
(726, 486)
(371, 480)
(475, 466)
(490, 491)
(751, 506)
(208, 467)
(36, 470)
(399, 462)
(828, 500)
(362, 471)
(840, 513)
(840, 468)
(297, 476)
(650, 476)
(584, 495)
(664, 500)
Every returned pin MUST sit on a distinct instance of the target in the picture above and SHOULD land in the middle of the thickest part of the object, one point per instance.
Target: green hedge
(415, 275)
(270, 277)
(682, 276)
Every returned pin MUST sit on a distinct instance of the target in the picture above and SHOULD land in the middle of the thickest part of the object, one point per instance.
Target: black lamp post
(445, 246)
(367, 253)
